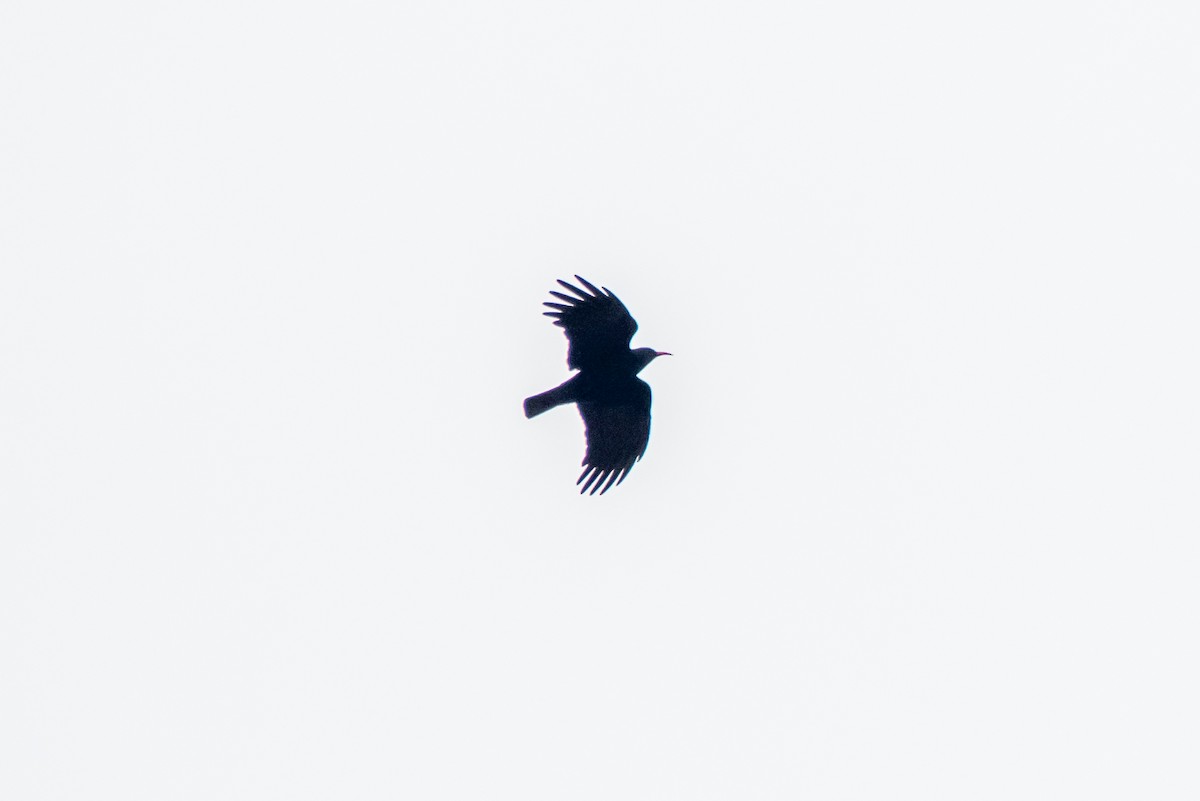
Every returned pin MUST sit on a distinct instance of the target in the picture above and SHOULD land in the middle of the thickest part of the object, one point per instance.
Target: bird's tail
(546, 401)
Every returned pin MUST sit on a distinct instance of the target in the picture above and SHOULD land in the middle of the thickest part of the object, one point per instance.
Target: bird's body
(613, 401)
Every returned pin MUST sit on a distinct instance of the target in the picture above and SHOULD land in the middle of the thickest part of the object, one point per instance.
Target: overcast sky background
(918, 517)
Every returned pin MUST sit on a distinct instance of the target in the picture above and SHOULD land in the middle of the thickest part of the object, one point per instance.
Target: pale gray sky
(918, 518)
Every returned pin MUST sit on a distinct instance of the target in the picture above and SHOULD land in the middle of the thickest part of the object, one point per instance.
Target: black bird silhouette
(613, 402)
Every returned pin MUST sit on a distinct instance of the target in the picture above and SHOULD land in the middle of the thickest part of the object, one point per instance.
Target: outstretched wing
(598, 325)
(618, 431)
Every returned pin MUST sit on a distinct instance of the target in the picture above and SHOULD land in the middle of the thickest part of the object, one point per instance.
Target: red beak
(662, 353)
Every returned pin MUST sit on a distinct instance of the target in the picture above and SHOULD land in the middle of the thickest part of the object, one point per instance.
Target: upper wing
(598, 325)
(618, 431)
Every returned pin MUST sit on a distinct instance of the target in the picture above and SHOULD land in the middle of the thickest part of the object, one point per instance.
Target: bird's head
(643, 356)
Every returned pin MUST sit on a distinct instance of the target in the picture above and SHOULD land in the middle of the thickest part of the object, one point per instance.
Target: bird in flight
(613, 402)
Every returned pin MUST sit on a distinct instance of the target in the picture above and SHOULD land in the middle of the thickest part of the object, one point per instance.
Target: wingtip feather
(595, 474)
(582, 295)
(598, 475)
(591, 287)
(611, 478)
